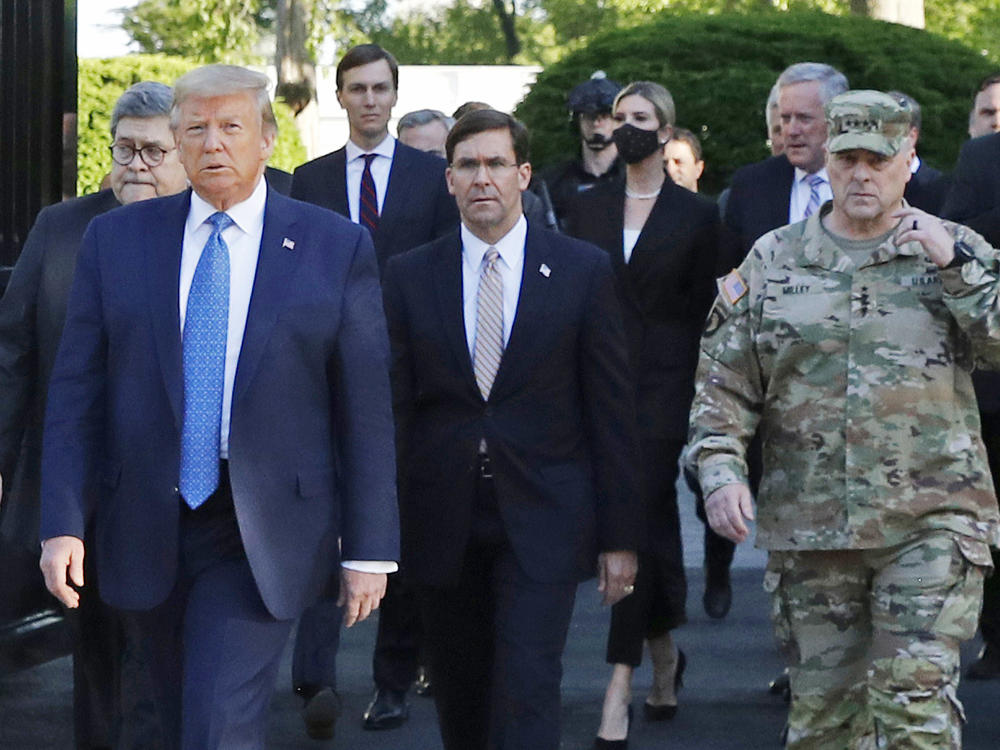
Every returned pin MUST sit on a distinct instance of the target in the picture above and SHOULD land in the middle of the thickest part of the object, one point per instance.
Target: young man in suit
(517, 443)
(787, 188)
(399, 194)
(144, 165)
(220, 409)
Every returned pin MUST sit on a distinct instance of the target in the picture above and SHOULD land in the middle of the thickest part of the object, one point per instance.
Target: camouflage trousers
(872, 638)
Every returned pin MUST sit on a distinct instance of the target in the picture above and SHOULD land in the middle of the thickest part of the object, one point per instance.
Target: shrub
(101, 82)
(720, 70)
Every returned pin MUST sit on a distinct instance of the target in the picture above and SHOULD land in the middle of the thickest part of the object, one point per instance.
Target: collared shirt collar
(244, 214)
(801, 175)
(915, 164)
(386, 148)
(510, 246)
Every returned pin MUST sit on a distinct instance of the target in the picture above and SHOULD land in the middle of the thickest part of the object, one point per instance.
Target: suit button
(177, 490)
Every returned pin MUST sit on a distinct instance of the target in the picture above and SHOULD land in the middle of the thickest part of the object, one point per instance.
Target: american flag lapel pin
(544, 270)
(288, 244)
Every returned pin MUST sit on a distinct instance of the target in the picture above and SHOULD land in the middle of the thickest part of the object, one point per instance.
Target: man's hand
(726, 510)
(616, 575)
(360, 594)
(920, 226)
(59, 554)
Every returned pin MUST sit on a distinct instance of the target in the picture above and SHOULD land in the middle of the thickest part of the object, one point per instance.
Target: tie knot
(220, 220)
(369, 158)
(491, 256)
(815, 180)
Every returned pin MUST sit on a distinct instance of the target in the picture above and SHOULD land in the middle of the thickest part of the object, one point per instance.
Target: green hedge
(721, 68)
(101, 82)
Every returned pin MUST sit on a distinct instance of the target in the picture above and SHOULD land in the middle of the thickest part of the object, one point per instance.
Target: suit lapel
(275, 264)
(163, 265)
(338, 183)
(532, 305)
(397, 189)
(448, 290)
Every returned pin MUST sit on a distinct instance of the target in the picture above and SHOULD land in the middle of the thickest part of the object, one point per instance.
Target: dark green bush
(721, 68)
(101, 82)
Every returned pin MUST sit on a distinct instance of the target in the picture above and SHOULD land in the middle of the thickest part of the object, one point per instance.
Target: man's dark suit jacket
(417, 207)
(927, 189)
(310, 441)
(559, 421)
(31, 321)
(974, 200)
(758, 202)
(666, 290)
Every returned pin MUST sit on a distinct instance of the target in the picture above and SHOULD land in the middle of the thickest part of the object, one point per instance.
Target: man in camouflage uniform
(849, 339)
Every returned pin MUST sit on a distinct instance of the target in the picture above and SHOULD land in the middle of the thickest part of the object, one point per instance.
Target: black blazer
(417, 207)
(758, 202)
(927, 189)
(666, 290)
(559, 422)
(32, 315)
(974, 200)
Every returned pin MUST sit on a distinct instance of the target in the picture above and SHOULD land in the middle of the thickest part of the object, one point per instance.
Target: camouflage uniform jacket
(859, 381)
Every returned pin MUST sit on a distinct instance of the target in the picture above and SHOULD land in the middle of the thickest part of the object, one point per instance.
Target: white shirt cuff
(370, 566)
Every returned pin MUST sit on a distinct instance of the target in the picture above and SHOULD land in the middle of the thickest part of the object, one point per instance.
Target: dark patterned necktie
(368, 208)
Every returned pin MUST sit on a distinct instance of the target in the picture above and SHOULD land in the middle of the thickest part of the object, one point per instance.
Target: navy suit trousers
(212, 646)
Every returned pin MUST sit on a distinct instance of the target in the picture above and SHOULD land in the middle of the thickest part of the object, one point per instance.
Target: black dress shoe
(320, 713)
(987, 666)
(718, 596)
(782, 686)
(666, 713)
(387, 710)
(423, 685)
(602, 744)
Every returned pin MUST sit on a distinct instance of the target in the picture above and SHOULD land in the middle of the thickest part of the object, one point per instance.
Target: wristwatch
(963, 254)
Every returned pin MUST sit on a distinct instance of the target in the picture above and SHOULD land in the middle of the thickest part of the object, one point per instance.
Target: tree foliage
(101, 82)
(203, 30)
(720, 69)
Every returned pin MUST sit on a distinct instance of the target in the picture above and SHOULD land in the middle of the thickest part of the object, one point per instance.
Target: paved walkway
(723, 706)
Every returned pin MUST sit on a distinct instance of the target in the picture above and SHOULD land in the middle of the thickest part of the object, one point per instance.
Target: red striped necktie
(368, 208)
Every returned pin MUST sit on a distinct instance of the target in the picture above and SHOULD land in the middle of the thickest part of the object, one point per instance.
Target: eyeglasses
(471, 167)
(151, 154)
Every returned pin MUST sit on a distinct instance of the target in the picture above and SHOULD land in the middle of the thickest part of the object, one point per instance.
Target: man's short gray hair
(831, 80)
(223, 80)
(423, 117)
(143, 99)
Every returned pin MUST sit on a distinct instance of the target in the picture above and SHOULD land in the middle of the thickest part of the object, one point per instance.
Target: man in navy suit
(787, 188)
(220, 408)
(517, 443)
(405, 204)
(109, 697)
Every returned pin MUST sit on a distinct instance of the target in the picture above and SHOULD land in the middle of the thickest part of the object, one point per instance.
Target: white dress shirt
(915, 164)
(629, 238)
(242, 238)
(380, 173)
(510, 264)
(800, 193)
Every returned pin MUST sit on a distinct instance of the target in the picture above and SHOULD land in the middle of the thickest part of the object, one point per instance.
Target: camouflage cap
(871, 120)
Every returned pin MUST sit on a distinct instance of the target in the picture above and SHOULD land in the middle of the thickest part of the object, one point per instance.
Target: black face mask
(635, 144)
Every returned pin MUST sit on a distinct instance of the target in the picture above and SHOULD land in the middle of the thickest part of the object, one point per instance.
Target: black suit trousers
(989, 619)
(495, 644)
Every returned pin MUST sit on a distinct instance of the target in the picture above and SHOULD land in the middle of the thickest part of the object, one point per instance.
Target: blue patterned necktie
(368, 208)
(206, 324)
(815, 182)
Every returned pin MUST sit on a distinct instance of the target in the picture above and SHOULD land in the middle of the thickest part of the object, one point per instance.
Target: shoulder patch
(734, 287)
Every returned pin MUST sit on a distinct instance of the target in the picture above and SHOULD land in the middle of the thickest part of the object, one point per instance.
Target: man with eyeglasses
(516, 443)
(32, 313)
